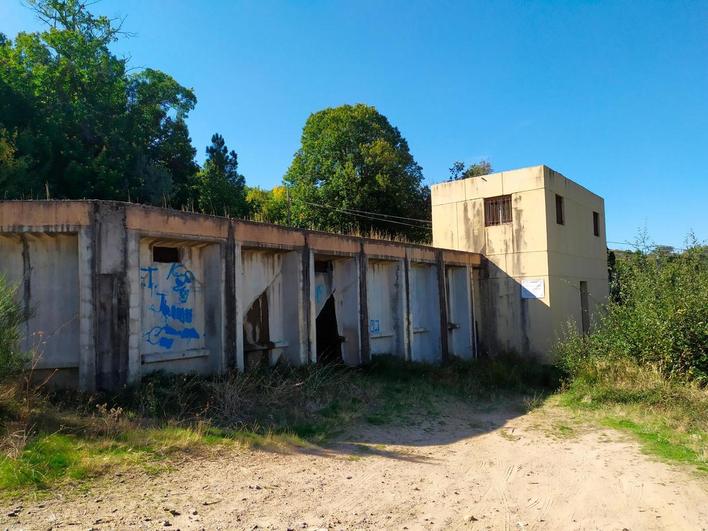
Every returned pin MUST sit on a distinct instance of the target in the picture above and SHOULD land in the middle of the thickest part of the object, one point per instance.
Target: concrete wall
(180, 307)
(531, 250)
(575, 253)
(112, 306)
(277, 276)
(424, 332)
(387, 307)
(44, 267)
(461, 329)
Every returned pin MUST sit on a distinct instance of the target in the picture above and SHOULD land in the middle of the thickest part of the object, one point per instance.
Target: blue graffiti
(146, 280)
(174, 317)
(170, 311)
(183, 277)
(164, 336)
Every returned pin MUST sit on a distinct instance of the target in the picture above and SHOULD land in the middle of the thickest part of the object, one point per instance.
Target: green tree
(219, 188)
(78, 124)
(352, 159)
(458, 170)
(270, 206)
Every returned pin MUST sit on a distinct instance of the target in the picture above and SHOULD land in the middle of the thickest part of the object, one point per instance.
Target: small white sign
(533, 288)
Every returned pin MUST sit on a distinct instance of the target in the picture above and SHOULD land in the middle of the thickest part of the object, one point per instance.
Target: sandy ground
(470, 468)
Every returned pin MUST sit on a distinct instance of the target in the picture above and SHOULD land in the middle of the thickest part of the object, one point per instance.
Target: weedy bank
(644, 368)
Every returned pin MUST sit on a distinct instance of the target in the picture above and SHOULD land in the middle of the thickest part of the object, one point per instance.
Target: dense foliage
(75, 123)
(270, 206)
(352, 161)
(657, 317)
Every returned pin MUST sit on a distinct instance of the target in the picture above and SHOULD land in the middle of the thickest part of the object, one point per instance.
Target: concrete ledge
(57, 216)
(157, 357)
(174, 222)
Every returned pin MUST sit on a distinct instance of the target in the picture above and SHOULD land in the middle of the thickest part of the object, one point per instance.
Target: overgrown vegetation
(11, 317)
(658, 316)
(644, 368)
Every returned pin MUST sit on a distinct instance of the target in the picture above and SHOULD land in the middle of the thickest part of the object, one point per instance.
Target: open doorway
(329, 343)
(327, 337)
(256, 333)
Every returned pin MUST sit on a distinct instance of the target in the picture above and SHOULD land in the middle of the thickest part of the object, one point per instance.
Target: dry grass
(53, 439)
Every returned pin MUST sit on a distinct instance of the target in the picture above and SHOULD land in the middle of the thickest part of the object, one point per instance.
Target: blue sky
(612, 94)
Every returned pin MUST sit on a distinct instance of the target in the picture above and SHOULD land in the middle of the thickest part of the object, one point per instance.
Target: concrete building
(113, 291)
(545, 252)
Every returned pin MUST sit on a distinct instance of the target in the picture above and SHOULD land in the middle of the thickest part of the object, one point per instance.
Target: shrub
(12, 358)
(658, 316)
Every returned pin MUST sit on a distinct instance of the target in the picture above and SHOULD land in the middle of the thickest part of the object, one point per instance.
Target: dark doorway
(256, 333)
(329, 343)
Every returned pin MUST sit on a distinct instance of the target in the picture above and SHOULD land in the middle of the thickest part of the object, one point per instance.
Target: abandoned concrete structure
(113, 290)
(543, 239)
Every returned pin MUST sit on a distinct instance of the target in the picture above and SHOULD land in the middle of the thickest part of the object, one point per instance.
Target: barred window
(497, 210)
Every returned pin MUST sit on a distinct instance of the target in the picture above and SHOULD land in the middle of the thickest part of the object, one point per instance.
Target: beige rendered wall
(531, 247)
(575, 254)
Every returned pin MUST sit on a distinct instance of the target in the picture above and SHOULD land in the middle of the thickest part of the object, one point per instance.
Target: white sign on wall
(533, 288)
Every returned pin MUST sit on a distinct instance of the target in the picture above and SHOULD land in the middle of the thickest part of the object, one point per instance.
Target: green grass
(663, 442)
(668, 418)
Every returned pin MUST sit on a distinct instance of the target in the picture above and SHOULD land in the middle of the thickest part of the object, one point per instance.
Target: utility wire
(389, 216)
(639, 247)
(373, 217)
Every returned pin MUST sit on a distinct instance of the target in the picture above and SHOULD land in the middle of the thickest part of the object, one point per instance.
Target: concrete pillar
(365, 342)
(87, 356)
(407, 318)
(230, 299)
(214, 271)
(474, 311)
(239, 309)
(308, 331)
(442, 302)
(135, 311)
(110, 295)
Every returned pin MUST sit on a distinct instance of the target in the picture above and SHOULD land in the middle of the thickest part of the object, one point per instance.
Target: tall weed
(12, 358)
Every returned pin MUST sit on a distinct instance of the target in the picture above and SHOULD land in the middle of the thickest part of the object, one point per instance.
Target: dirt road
(467, 469)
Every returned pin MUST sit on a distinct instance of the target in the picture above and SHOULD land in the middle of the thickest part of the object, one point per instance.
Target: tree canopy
(74, 123)
(352, 161)
(219, 188)
(458, 170)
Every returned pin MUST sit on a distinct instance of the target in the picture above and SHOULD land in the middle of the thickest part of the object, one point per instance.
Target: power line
(373, 217)
(640, 247)
(389, 216)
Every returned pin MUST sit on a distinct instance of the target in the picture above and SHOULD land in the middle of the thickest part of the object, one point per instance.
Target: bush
(12, 358)
(658, 317)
